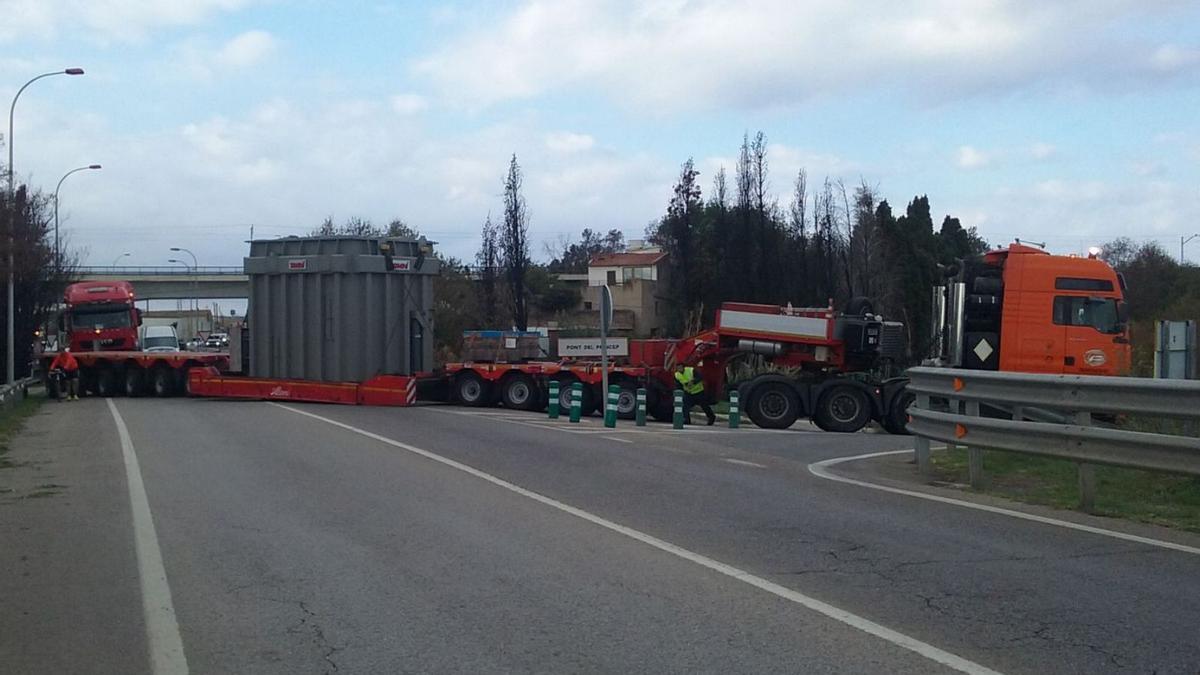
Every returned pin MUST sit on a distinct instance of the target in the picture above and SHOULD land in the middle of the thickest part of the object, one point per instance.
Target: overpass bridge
(174, 282)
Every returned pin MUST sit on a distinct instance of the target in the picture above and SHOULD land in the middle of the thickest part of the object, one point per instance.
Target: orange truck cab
(1022, 309)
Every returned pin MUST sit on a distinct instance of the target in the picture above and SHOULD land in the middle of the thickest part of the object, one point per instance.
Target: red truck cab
(100, 316)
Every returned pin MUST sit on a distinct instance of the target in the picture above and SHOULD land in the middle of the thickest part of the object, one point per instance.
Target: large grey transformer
(340, 309)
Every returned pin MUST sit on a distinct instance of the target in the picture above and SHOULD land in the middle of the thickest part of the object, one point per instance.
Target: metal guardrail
(161, 270)
(12, 394)
(947, 409)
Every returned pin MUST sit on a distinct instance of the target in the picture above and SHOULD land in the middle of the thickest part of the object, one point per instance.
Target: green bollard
(640, 419)
(735, 410)
(552, 404)
(610, 409)
(576, 402)
(678, 418)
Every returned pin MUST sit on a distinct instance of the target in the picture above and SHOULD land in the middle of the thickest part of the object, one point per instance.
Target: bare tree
(514, 244)
(487, 260)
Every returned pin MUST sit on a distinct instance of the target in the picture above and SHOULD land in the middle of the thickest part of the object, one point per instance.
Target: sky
(1069, 122)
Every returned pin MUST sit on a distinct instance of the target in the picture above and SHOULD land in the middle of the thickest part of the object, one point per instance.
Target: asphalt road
(294, 545)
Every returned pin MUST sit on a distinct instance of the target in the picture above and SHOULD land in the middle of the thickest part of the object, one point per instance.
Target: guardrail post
(552, 404)
(974, 454)
(677, 419)
(610, 408)
(735, 410)
(920, 443)
(576, 402)
(640, 416)
(1087, 472)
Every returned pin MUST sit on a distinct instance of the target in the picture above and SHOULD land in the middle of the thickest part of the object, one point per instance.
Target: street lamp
(1182, 242)
(123, 255)
(57, 254)
(12, 207)
(195, 266)
(189, 268)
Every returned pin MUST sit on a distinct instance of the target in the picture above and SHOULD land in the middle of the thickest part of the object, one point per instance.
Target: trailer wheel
(587, 400)
(773, 405)
(135, 381)
(106, 382)
(162, 381)
(842, 408)
(519, 393)
(471, 389)
(659, 402)
(896, 419)
(627, 402)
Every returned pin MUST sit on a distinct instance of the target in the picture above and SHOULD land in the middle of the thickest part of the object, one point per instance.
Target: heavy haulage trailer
(1016, 308)
(826, 366)
(99, 322)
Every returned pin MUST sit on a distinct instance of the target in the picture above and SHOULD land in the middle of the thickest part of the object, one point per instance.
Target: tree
(514, 244)
(38, 282)
(574, 257)
(487, 261)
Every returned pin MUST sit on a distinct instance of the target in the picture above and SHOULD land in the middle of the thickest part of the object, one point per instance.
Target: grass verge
(1144, 496)
(12, 421)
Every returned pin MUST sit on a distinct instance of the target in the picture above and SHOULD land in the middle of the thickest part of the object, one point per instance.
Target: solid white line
(853, 620)
(743, 462)
(162, 629)
(820, 469)
(619, 440)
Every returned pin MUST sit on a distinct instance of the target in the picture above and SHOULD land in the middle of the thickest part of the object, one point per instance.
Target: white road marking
(853, 620)
(618, 439)
(162, 629)
(820, 469)
(743, 462)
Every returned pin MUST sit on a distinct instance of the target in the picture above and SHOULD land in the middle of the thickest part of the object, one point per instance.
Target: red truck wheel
(135, 381)
(843, 408)
(162, 381)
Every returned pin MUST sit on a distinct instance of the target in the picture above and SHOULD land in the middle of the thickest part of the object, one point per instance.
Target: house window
(587, 304)
(612, 277)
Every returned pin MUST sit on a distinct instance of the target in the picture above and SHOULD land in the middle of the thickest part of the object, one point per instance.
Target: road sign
(568, 347)
(606, 310)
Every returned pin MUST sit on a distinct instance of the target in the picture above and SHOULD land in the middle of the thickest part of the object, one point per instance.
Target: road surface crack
(308, 623)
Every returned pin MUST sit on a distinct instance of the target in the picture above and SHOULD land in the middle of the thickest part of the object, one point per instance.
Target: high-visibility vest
(687, 380)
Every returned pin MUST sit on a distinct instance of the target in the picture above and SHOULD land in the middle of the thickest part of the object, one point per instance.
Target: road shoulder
(68, 573)
(897, 471)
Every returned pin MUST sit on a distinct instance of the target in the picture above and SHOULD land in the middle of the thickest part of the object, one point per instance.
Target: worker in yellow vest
(693, 393)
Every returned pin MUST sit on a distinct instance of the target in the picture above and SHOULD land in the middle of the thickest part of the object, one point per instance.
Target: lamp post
(12, 207)
(189, 269)
(123, 255)
(195, 268)
(1182, 243)
(57, 253)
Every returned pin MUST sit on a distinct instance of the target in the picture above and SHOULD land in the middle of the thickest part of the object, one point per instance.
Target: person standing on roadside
(693, 393)
(66, 362)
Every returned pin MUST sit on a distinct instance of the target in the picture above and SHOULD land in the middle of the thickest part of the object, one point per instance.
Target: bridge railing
(159, 270)
(1064, 408)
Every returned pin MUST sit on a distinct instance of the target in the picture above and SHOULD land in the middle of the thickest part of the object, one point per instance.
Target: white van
(159, 339)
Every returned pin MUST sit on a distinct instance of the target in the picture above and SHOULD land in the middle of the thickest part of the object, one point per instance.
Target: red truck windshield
(103, 317)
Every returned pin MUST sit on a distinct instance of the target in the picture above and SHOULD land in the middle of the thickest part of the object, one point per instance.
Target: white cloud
(1173, 58)
(409, 104)
(565, 141)
(246, 49)
(970, 158)
(1042, 150)
(672, 55)
(200, 185)
(105, 20)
